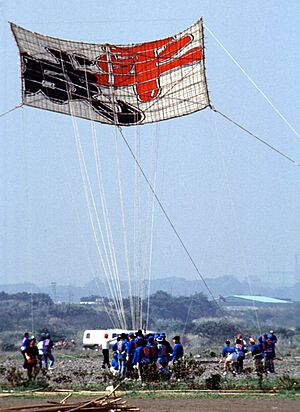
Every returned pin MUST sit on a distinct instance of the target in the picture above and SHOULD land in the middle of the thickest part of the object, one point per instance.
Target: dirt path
(190, 405)
(215, 405)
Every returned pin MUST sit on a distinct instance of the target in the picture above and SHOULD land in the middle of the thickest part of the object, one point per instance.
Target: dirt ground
(215, 405)
(85, 372)
(190, 405)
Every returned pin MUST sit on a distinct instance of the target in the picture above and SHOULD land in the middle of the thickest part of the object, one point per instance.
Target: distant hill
(224, 285)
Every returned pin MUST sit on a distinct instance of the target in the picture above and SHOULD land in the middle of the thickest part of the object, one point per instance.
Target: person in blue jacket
(257, 356)
(114, 347)
(47, 347)
(25, 344)
(177, 355)
(269, 355)
(152, 349)
(177, 350)
(240, 351)
(162, 354)
(130, 348)
(114, 364)
(227, 349)
(273, 339)
(264, 341)
(272, 336)
(141, 356)
(167, 345)
(121, 351)
(229, 358)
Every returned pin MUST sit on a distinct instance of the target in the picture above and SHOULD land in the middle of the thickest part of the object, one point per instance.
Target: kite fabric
(115, 84)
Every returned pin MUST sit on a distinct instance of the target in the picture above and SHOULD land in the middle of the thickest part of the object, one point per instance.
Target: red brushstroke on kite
(142, 65)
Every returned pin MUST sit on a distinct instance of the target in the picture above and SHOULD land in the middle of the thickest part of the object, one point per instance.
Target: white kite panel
(115, 84)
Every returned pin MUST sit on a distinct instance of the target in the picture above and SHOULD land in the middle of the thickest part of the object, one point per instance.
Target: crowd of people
(37, 355)
(262, 352)
(136, 352)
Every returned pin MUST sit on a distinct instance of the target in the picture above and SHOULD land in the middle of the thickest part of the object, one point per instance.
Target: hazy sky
(235, 202)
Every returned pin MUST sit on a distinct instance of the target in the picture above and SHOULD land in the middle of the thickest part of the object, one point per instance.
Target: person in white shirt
(40, 349)
(105, 351)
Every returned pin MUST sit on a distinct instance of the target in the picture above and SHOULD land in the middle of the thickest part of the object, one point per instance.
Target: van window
(114, 335)
(88, 335)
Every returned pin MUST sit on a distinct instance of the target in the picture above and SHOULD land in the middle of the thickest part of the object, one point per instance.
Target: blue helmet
(151, 339)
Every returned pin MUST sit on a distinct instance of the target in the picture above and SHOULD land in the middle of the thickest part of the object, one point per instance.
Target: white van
(93, 338)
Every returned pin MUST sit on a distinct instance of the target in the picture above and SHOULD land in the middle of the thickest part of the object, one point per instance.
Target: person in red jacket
(31, 359)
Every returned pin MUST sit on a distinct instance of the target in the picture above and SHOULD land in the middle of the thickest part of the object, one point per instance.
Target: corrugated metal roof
(262, 299)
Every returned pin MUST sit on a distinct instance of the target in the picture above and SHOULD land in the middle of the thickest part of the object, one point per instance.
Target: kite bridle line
(93, 213)
(106, 219)
(164, 210)
(253, 83)
(228, 188)
(170, 221)
(290, 159)
(271, 147)
(11, 110)
(120, 186)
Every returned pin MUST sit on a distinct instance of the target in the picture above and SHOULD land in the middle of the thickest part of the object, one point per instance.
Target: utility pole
(53, 286)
